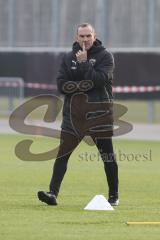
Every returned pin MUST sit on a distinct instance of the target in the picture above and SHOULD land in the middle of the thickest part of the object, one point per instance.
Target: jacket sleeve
(62, 76)
(65, 86)
(100, 75)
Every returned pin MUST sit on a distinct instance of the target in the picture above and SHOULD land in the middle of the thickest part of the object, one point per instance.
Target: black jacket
(97, 70)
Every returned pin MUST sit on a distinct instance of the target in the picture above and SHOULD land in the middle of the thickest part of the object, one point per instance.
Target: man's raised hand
(82, 54)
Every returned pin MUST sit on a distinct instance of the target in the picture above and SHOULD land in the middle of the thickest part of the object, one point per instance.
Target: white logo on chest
(74, 65)
(92, 61)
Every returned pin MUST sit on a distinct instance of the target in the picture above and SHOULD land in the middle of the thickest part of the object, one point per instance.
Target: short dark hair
(83, 25)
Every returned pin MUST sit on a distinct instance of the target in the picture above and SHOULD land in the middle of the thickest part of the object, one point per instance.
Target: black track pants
(68, 144)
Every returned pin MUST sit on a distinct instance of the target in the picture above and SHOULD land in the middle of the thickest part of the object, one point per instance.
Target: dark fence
(133, 68)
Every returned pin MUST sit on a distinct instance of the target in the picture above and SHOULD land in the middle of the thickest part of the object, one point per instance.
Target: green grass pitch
(22, 216)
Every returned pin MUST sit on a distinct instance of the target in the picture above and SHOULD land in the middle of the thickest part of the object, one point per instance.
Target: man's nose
(85, 39)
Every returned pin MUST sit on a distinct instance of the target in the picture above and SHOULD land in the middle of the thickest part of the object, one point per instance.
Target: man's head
(85, 34)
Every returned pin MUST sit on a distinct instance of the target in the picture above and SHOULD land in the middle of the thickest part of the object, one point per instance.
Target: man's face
(86, 35)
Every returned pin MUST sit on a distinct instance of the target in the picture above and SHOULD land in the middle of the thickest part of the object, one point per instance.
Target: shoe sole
(44, 198)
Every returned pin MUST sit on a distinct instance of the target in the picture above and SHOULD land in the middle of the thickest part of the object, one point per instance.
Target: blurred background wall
(51, 23)
(34, 35)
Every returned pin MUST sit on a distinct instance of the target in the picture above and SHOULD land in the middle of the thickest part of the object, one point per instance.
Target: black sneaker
(47, 197)
(113, 200)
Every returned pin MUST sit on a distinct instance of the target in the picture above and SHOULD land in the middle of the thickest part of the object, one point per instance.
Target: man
(87, 69)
